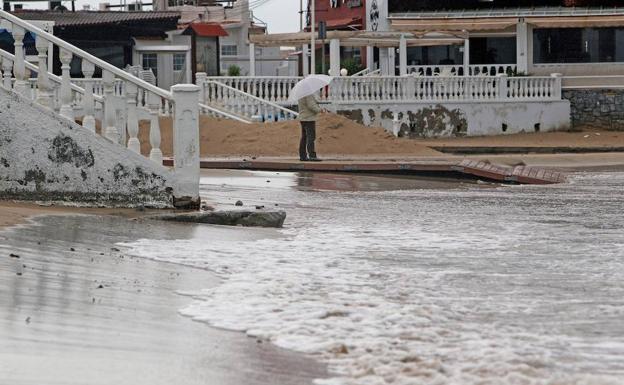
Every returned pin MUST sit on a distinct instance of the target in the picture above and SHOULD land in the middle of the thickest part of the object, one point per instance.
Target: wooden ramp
(466, 168)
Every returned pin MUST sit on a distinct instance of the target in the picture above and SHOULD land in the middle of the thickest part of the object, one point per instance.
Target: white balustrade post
(19, 67)
(43, 82)
(108, 128)
(334, 57)
(403, 56)
(252, 59)
(186, 144)
(200, 80)
(522, 47)
(154, 108)
(88, 120)
(556, 94)
(7, 69)
(66, 100)
(370, 58)
(133, 120)
(501, 85)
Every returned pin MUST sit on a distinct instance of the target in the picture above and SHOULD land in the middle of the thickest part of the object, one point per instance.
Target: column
(306, 60)
(66, 93)
(370, 58)
(391, 61)
(522, 47)
(154, 110)
(334, 57)
(43, 82)
(252, 59)
(467, 57)
(132, 121)
(109, 130)
(383, 61)
(19, 69)
(186, 145)
(403, 56)
(88, 120)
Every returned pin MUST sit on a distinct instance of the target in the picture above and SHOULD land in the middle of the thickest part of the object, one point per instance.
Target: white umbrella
(308, 86)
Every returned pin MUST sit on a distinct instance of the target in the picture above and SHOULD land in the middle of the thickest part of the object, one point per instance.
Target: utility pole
(300, 15)
(313, 39)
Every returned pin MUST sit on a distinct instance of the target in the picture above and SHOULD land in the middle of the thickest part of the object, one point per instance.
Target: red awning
(207, 30)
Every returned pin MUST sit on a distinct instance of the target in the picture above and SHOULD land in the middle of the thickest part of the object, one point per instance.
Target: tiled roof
(82, 18)
(207, 29)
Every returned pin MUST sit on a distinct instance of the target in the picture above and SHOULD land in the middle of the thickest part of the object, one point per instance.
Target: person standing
(308, 113)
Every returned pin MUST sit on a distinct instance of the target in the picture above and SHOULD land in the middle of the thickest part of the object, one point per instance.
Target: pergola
(387, 41)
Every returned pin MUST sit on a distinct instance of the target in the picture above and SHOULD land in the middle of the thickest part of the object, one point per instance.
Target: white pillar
(383, 61)
(88, 119)
(334, 57)
(43, 82)
(306, 60)
(186, 144)
(189, 67)
(403, 56)
(154, 111)
(66, 92)
(370, 58)
(252, 59)
(132, 120)
(467, 57)
(313, 37)
(109, 130)
(19, 67)
(522, 47)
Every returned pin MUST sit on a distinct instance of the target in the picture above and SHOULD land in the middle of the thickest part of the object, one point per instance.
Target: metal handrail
(86, 56)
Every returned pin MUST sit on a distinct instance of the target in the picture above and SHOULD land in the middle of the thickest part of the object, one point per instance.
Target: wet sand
(96, 316)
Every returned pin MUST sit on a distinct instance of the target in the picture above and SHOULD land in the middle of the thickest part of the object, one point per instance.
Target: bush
(352, 66)
(234, 70)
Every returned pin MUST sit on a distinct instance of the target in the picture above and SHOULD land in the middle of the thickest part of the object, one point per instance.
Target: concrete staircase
(45, 155)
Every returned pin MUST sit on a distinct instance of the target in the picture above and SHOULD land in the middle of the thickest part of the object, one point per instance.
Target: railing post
(19, 69)
(133, 121)
(88, 120)
(109, 130)
(556, 93)
(186, 144)
(154, 109)
(7, 68)
(43, 83)
(200, 80)
(66, 100)
(501, 85)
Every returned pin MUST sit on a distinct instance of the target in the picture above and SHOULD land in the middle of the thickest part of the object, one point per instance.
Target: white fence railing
(275, 89)
(415, 89)
(460, 70)
(117, 99)
(243, 104)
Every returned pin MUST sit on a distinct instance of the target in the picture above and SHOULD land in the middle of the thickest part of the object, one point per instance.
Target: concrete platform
(466, 168)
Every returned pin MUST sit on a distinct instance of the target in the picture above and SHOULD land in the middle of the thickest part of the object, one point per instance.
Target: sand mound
(336, 136)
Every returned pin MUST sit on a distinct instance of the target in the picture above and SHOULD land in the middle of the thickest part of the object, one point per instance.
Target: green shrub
(234, 70)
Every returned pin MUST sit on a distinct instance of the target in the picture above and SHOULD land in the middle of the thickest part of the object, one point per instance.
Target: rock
(100, 287)
(238, 203)
(14, 256)
(72, 249)
(259, 207)
(228, 218)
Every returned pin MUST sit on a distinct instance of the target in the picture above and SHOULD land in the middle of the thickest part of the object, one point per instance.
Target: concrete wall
(45, 157)
(461, 119)
(598, 108)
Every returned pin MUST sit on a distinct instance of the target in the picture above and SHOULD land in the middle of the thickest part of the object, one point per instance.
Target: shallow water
(390, 280)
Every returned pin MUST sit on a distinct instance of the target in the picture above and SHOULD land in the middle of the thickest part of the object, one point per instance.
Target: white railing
(274, 89)
(460, 70)
(416, 89)
(243, 104)
(120, 96)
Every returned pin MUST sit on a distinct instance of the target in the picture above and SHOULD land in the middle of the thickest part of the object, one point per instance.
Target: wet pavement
(75, 309)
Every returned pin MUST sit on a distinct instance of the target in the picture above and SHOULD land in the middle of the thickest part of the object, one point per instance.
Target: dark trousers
(308, 135)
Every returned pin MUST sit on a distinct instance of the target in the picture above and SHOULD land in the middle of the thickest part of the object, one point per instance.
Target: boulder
(228, 218)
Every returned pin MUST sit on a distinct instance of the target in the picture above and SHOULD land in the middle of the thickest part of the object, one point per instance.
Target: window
(150, 61)
(179, 61)
(229, 50)
(578, 45)
(493, 50)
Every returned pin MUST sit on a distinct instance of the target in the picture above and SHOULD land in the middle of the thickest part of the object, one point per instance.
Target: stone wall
(460, 119)
(597, 108)
(46, 157)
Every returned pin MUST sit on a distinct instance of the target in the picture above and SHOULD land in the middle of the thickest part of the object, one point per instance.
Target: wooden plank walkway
(465, 168)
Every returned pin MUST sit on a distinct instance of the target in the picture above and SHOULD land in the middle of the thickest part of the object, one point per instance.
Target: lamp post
(313, 39)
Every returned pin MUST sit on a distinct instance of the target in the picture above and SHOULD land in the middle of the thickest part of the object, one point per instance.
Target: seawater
(393, 283)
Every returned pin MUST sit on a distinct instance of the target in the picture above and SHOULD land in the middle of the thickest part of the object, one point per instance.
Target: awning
(459, 24)
(161, 48)
(206, 30)
(577, 21)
